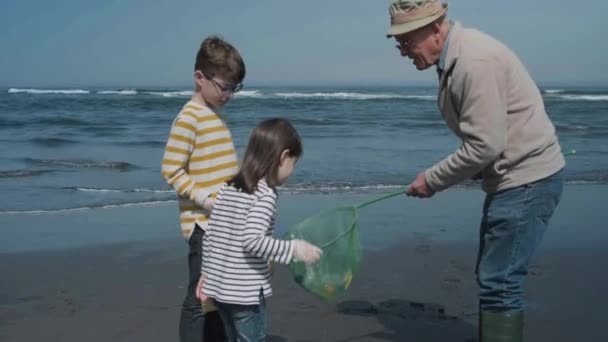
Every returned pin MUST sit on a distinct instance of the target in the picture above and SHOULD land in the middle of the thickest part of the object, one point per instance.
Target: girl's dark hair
(217, 57)
(262, 158)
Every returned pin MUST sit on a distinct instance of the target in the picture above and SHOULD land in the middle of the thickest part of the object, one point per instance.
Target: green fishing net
(335, 232)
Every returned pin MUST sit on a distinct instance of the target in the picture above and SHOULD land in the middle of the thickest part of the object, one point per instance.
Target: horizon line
(278, 85)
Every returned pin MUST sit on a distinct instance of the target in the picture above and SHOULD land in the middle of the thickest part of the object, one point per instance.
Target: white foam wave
(582, 182)
(68, 210)
(123, 191)
(574, 127)
(339, 188)
(585, 97)
(420, 97)
(118, 92)
(353, 96)
(49, 91)
(554, 91)
(292, 189)
(184, 93)
(249, 93)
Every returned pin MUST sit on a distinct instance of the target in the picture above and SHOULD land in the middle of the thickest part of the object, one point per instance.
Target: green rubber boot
(501, 327)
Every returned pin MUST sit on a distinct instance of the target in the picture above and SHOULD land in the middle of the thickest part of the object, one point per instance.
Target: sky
(127, 43)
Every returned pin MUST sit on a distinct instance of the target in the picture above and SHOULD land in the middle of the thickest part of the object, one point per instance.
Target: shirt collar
(444, 50)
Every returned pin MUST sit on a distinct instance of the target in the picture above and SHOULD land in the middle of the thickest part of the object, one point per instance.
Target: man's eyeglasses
(223, 89)
(408, 40)
(403, 43)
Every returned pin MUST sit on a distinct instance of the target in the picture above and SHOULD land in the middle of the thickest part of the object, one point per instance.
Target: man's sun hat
(409, 15)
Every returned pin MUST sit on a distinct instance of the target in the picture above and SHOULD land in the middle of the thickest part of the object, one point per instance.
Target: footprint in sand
(65, 304)
(413, 310)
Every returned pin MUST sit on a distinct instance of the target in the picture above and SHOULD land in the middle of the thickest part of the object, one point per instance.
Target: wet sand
(416, 282)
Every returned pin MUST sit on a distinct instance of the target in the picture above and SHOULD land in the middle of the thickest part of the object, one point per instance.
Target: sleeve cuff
(432, 180)
(289, 252)
(198, 196)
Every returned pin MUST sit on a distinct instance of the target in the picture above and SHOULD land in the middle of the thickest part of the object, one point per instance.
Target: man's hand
(420, 188)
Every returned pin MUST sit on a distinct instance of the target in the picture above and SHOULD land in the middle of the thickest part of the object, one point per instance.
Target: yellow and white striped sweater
(199, 157)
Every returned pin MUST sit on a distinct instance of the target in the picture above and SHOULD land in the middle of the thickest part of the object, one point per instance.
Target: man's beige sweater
(489, 100)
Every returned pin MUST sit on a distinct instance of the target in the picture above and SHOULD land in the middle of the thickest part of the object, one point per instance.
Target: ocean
(80, 149)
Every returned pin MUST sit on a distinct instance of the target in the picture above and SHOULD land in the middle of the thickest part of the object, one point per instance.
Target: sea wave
(53, 141)
(563, 94)
(22, 173)
(81, 163)
(86, 208)
(184, 93)
(145, 143)
(553, 91)
(352, 96)
(244, 94)
(118, 92)
(298, 188)
(62, 121)
(572, 127)
(576, 94)
(49, 91)
(159, 197)
(324, 188)
(584, 97)
(249, 93)
(101, 190)
(331, 188)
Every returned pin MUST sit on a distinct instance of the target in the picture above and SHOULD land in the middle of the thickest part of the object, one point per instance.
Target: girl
(238, 246)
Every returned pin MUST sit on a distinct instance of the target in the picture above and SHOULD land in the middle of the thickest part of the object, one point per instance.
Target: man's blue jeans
(244, 323)
(512, 228)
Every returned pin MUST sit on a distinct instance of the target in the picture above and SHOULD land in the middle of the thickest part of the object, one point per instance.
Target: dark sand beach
(416, 284)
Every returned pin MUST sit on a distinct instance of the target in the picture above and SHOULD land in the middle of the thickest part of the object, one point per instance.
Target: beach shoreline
(416, 283)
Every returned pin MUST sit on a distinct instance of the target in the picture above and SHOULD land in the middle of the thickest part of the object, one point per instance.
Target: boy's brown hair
(216, 57)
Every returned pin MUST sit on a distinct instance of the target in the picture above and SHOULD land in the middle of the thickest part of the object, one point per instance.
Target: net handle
(377, 199)
(380, 198)
(327, 244)
(387, 196)
(397, 193)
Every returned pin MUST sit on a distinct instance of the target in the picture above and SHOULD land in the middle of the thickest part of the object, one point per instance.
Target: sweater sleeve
(258, 239)
(483, 124)
(178, 150)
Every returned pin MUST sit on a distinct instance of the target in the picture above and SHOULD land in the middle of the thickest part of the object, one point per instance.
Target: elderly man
(488, 99)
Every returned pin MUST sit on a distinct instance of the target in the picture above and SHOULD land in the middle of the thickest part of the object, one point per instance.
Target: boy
(199, 157)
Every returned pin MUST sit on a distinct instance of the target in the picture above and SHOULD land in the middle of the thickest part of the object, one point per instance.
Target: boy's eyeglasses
(231, 89)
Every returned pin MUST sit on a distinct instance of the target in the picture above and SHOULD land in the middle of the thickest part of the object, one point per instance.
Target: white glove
(306, 252)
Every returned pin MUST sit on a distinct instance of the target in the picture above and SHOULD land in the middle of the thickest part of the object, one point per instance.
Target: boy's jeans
(511, 229)
(244, 323)
(194, 325)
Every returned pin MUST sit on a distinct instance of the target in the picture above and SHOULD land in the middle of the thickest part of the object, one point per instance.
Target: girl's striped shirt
(238, 246)
(199, 157)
